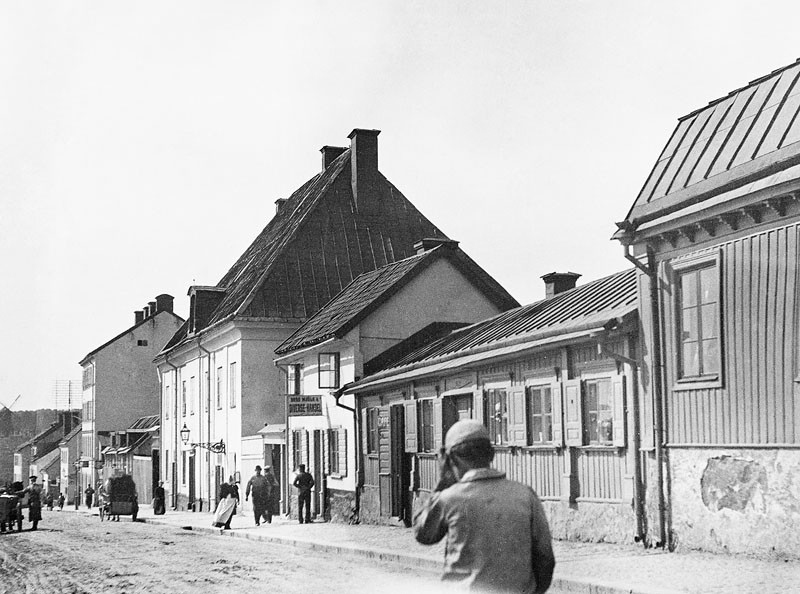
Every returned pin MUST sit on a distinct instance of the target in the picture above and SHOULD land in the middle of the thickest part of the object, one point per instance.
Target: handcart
(10, 512)
(119, 499)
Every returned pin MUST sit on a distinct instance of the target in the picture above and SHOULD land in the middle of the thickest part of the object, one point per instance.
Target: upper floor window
(88, 376)
(698, 320)
(539, 406)
(495, 414)
(219, 388)
(166, 400)
(294, 377)
(141, 343)
(183, 398)
(232, 384)
(192, 383)
(329, 370)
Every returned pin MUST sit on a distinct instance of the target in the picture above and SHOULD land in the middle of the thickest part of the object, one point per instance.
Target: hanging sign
(302, 405)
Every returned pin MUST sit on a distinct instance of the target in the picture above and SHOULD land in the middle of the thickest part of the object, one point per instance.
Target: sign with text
(303, 405)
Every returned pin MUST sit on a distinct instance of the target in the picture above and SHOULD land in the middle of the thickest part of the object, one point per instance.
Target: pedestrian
(226, 509)
(89, 493)
(261, 487)
(48, 501)
(273, 508)
(61, 500)
(34, 494)
(159, 500)
(303, 481)
(497, 534)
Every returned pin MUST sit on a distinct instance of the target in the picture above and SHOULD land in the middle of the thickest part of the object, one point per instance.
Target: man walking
(498, 539)
(303, 481)
(261, 488)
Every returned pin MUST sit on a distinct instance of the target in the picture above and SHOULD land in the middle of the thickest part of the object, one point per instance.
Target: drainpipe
(175, 436)
(650, 271)
(285, 482)
(357, 428)
(208, 408)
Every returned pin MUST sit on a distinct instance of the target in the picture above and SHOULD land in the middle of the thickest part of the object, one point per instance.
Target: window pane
(547, 427)
(536, 430)
(689, 289)
(709, 285)
(711, 356)
(689, 324)
(708, 315)
(591, 396)
(547, 407)
(690, 361)
(536, 401)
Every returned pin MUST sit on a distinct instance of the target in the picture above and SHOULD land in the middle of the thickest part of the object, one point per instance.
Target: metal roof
(566, 314)
(752, 132)
(145, 423)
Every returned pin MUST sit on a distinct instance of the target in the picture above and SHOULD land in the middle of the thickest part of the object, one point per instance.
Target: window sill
(697, 383)
(600, 448)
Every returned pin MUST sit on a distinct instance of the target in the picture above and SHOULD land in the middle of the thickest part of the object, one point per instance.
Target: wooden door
(191, 482)
(399, 465)
(317, 503)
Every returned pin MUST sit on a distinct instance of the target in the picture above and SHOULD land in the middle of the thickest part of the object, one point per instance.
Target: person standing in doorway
(497, 535)
(303, 482)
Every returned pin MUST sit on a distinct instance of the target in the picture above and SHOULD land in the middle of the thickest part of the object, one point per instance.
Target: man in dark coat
(159, 500)
(303, 481)
(34, 493)
(261, 486)
(89, 492)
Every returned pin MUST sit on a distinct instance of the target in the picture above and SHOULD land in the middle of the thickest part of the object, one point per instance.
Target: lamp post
(217, 447)
(77, 464)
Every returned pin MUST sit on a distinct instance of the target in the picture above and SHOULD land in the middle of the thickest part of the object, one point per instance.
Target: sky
(143, 144)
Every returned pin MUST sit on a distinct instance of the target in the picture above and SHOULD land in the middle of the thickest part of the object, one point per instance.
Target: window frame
(333, 452)
(373, 436)
(489, 420)
(297, 447)
(680, 268)
(219, 381)
(294, 379)
(585, 425)
(336, 371)
(183, 398)
(530, 415)
(426, 432)
(232, 384)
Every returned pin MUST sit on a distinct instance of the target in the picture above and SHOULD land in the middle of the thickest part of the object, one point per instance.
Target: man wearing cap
(34, 493)
(261, 487)
(498, 539)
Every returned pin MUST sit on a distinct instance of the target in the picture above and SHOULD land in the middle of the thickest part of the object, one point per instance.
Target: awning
(274, 433)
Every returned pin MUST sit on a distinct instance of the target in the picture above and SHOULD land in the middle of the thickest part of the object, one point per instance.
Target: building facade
(714, 233)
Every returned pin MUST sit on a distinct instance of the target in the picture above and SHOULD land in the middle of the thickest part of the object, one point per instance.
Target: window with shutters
(455, 408)
(329, 370)
(426, 426)
(698, 319)
(372, 430)
(495, 414)
(337, 452)
(297, 447)
(598, 425)
(539, 406)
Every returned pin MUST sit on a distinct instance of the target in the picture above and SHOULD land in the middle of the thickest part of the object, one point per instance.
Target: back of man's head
(469, 441)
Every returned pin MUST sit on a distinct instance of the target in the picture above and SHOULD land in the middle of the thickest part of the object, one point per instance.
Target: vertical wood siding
(600, 474)
(540, 469)
(427, 467)
(756, 403)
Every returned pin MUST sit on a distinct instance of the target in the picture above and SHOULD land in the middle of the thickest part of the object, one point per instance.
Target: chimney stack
(164, 302)
(152, 306)
(429, 243)
(364, 168)
(279, 204)
(330, 154)
(138, 316)
(146, 310)
(558, 282)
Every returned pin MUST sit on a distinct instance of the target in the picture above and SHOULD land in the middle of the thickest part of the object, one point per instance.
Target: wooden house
(555, 382)
(134, 451)
(424, 295)
(714, 233)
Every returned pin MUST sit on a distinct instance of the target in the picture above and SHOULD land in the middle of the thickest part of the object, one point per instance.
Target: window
(183, 468)
(207, 386)
(495, 414)
(539, 405)
(329, 370)
(372, 430)
(232, 384)
(294, 377)
(455, 408)
(297, 447)
(598, 423)
(334, 462)
(166, 400)
(698, 319)
(88, 376)
(183, 398)
(219, 388)
(425, 425)
(141, 343)
(192, 383)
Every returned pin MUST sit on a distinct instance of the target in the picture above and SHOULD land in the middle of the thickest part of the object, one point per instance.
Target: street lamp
(217, 447)
(77, 498)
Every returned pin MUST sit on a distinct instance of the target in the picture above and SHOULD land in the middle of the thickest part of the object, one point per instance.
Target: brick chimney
(279, 204)
(364, 169)
(146, 311)
(152, 306)
(429, 243)
(164, 302)
(330, 154)
(138, 316)
(558, 282)
(202, 303)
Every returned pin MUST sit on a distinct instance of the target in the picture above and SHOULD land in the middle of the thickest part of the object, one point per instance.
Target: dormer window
(141, 343)
(329, 370)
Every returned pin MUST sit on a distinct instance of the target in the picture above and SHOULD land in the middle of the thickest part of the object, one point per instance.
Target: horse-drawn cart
(118, 498)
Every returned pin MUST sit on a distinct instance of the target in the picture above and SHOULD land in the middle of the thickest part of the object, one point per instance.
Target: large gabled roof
(587, 307)
(371, 289)
(749, 134)
(314, 246)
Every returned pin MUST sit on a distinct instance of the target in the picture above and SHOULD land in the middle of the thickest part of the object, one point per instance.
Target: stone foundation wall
(736, 501)
(342, 506)
(591, 521)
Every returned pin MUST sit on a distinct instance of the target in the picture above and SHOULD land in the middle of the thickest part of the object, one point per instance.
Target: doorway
(399, 466)
(192, 481)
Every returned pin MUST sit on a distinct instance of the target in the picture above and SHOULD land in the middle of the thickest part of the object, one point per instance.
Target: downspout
(356, 426)
(175, 435)
(208, 409)
(285, 479)
(650, 271)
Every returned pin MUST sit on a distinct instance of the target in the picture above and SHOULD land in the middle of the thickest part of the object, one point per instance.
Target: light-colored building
(438, 289)
(217, 376)
(69, 447)
(120, 384)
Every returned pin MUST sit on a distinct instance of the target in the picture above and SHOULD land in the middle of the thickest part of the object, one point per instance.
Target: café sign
(304, 405)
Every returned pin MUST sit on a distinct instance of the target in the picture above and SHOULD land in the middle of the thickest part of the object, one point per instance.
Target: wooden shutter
(437, 424)
(342, 433)
(477, 406)
(412, 440)
(618, 410)
(573, 409)
(304, 458)
(516, 418)
(326, 466)
(558, 422)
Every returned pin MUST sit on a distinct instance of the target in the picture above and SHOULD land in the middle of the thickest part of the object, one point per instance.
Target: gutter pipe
(174, 485)
(208, 408)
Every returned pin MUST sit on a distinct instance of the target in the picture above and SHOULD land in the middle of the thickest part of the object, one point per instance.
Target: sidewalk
(591, 568)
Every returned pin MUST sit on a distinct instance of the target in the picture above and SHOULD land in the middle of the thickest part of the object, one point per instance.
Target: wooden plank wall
(756, 404)
(540, 469)
(600, 474)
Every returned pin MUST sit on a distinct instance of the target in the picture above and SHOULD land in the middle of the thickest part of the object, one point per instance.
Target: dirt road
(73, 553)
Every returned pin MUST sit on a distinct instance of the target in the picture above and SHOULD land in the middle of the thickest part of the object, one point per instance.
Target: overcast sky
(143, 144)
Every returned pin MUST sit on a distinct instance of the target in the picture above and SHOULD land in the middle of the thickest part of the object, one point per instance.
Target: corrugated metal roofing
(753, 131)
(144, 423)
(590, 305)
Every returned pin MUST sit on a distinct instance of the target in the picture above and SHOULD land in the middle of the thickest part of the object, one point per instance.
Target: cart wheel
(133, 516)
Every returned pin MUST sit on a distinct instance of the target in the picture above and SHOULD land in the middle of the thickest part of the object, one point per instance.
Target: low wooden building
(715, 232)
(555, 382)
